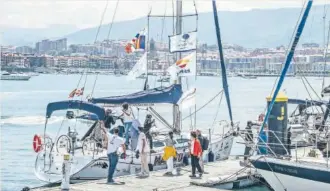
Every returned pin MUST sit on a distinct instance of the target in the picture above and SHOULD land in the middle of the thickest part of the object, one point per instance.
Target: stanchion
(65, 185)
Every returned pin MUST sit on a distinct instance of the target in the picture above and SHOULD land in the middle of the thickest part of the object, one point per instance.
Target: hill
(252, 29)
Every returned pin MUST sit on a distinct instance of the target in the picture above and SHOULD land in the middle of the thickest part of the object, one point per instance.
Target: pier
(222, 174)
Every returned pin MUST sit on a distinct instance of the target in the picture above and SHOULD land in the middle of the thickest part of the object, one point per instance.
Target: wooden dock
(215, 172)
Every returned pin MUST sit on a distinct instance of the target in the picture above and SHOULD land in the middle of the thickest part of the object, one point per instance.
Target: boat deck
(215, 173)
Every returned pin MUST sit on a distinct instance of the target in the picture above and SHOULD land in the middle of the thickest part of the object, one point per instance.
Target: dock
(221, 173)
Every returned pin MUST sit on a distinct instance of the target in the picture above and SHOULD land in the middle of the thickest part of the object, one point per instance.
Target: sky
(88, 13)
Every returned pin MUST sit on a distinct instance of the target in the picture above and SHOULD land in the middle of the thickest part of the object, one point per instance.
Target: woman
(196, 154)
(169, 153)
(127, 115)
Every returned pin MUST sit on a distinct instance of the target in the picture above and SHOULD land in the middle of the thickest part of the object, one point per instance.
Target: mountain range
(252, 29)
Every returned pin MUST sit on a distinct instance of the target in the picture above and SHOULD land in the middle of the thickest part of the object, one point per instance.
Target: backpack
(205, 144)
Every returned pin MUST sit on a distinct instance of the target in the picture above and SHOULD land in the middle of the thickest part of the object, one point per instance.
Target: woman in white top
(127, 115)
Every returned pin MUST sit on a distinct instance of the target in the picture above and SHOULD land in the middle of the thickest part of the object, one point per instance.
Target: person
(196, 154)
(114, 143)
(148, 122)
(201, 141)
(289, 141)
(127, 114)
(169, 153)
(248, 140)
(134, 133)
(143, 150)
(109, 120)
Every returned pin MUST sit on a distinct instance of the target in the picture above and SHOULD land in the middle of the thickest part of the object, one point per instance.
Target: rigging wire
(113, 19)
(286, 52)
(101, 21)
(217, 112)
(208, 102)
(325, 58)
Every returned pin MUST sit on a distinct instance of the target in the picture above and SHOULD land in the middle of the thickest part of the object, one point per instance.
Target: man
(148, 123)
(169, 153)
(128, 116)
(114, 142)
(109, 120)
(143, 150)
(196, 154)
(248, 140)
(201, 141)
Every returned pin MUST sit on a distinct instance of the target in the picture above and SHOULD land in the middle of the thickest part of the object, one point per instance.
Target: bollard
(65, 185)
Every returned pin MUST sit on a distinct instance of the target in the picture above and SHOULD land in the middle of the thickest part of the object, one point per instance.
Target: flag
(183, 42)
(184, 67)
(139, 68)
(137, 43)
(71, 95)
(188, 99)
(80, 92)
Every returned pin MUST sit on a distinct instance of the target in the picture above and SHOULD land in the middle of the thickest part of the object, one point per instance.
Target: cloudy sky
(87, 13)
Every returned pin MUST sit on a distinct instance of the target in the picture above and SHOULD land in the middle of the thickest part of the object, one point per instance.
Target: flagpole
(147, 49)
(179, 27)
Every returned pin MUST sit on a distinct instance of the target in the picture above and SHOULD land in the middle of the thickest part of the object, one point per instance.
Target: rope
(102, 17)
(203, 105)
(113, 18)
(302, 79)
(218, 108)
(94, 85)
(273, 172)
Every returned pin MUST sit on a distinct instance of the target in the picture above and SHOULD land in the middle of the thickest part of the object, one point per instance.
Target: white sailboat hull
(280, 181)
(86, 168)
(290, 175)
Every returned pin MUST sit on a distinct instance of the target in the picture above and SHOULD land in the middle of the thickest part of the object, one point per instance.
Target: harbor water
(23, 108)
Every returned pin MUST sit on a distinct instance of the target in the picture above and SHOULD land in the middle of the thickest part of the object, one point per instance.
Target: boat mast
(178, 31)
(178, 28)
(222, 61)
(288, 60)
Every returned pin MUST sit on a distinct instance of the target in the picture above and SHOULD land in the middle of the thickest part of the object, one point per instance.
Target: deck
(215, 173)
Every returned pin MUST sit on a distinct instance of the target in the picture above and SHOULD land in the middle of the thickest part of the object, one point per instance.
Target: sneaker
(200, 174)
(192, 176)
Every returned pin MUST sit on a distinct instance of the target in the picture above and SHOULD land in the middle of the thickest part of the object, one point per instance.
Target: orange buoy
(36, 143)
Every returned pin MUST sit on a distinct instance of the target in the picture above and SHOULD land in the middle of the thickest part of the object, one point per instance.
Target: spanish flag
(71, 95)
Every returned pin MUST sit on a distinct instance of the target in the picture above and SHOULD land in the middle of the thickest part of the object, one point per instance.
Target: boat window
(182, 140)
(158, 144)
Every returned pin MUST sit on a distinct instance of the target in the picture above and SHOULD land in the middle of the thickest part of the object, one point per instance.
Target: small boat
(18, 77)
(166, 79)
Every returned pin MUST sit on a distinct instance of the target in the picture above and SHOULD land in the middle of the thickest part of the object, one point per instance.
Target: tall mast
(288, 60)
(178, 26)
(178, 31)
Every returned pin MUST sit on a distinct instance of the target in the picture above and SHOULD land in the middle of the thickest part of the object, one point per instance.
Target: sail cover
(167, 95)
(75, 104)
(307, 102)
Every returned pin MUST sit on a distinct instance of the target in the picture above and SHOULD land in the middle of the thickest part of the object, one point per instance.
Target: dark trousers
(149, 137)
(247, 152)
(113, 160)
(195, 164)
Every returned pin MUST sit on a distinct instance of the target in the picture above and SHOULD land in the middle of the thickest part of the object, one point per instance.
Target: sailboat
(280, 170)
(89, 161)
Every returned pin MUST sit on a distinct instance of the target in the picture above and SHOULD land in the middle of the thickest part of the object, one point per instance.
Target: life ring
(261, 117)
(37, 143)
